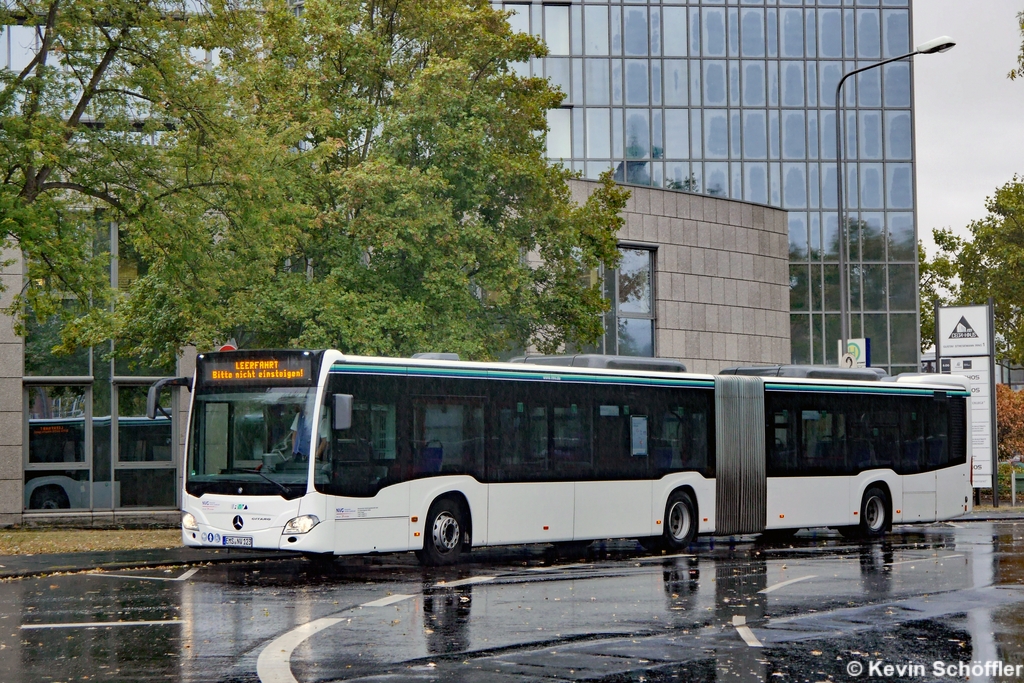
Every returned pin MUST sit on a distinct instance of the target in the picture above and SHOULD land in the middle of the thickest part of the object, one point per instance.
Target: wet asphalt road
(729, 610)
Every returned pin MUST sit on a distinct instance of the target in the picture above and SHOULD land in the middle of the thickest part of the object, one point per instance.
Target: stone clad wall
(721, 282)
(12, 354)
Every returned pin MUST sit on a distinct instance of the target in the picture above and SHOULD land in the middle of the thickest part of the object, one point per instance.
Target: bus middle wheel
(444, 534)
(680, 521)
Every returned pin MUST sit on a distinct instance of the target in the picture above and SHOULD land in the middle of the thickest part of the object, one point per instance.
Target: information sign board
(963, 331)
(964, 346)
(976, 370)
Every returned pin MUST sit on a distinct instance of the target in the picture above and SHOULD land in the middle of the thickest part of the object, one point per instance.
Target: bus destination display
(277, 371)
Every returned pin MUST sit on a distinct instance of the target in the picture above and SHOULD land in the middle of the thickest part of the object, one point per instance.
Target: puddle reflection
(229, 613)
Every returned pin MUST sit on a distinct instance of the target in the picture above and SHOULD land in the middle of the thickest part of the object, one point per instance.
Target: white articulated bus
(319, 452)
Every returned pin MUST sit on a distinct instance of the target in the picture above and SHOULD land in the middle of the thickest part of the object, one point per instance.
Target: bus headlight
(300, 525)
(188, 521)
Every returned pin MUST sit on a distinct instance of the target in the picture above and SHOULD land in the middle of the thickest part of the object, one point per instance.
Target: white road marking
(187, 575)
(384, 602)
(923, 559)
(464, 582)
(579, 565)
(103, 624)
(740, 622)
(659, 558)
(274, 663)
(783, 584)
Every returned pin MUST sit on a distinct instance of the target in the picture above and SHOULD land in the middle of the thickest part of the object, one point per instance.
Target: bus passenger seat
(860, 453)
(428, 460)
(663, 458)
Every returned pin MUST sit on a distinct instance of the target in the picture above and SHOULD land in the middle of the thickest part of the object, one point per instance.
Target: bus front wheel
(680, 521)
(444, 534)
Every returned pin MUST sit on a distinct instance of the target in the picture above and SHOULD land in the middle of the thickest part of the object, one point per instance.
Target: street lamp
(940, 44)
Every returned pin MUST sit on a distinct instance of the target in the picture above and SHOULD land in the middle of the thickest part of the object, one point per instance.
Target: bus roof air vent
(596, 360)
(436, 356)
(808, 372)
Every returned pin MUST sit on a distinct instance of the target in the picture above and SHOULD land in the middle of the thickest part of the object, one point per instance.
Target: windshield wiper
(256, 470)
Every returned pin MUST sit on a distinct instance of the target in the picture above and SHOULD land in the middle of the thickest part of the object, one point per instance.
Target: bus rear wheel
(874, 512)
(875, 518)
(680, 521)
(445, 534)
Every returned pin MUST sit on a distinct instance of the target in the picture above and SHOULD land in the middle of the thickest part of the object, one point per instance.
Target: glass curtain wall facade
(736, 98)
(88, 444)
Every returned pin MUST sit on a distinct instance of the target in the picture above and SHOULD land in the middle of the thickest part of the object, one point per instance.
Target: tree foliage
(936, 277)
(106, 120)
(1018, 71)
(987, 263)
(1010, 419)
(364, 176)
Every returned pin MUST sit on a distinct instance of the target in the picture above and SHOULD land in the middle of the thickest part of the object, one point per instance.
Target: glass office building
(736, 98)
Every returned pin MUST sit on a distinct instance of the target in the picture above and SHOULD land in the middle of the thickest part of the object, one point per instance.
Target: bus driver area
(440, 456)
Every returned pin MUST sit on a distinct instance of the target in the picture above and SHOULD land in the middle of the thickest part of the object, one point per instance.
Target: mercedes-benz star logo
(237, 522)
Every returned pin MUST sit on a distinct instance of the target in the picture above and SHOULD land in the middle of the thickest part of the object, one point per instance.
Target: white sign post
(965, 347)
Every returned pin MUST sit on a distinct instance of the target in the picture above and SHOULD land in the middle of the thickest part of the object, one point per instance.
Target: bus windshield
(252, 442)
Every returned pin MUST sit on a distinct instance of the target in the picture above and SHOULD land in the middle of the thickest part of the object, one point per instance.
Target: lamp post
(940, 44)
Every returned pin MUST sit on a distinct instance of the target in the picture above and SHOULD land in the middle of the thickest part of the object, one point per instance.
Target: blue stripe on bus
(544, 375)
(539, 376)
(897, 390)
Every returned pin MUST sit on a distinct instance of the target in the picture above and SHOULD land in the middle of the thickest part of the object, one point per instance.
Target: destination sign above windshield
(253, 370)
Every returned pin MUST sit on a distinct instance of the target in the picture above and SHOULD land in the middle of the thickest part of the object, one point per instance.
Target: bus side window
(860, 444)
(957, 430)
(517, 445)
(571, 455)
(628, 437)
(911, 437)
(937, 428)
(667, 441)
(370, 437)
(824, 441)
(448, 435)
(816, 440)
(885, 433)
(782, 448)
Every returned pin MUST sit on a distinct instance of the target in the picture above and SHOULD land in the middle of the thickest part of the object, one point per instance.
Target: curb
(81, 567)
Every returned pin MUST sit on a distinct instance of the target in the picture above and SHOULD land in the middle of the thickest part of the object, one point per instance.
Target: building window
(629, 325)
(89, 444)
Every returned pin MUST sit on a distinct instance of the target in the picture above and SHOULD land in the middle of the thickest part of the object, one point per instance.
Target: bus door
(362, 462)
(535, 452)
(616, 500)
(920, 453)
(952, 484)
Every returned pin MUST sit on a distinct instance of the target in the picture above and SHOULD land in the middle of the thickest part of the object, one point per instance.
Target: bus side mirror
(153, 397)
(342, 411)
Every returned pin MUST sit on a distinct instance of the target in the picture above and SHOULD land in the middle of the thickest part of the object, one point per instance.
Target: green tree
(107, 121)
(988, 263)
(387, 193)
(937, 280)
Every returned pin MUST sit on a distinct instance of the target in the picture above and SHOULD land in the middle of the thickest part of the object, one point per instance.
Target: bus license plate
(238, 541)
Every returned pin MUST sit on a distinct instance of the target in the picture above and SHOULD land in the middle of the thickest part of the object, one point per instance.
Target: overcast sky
(969, 115)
